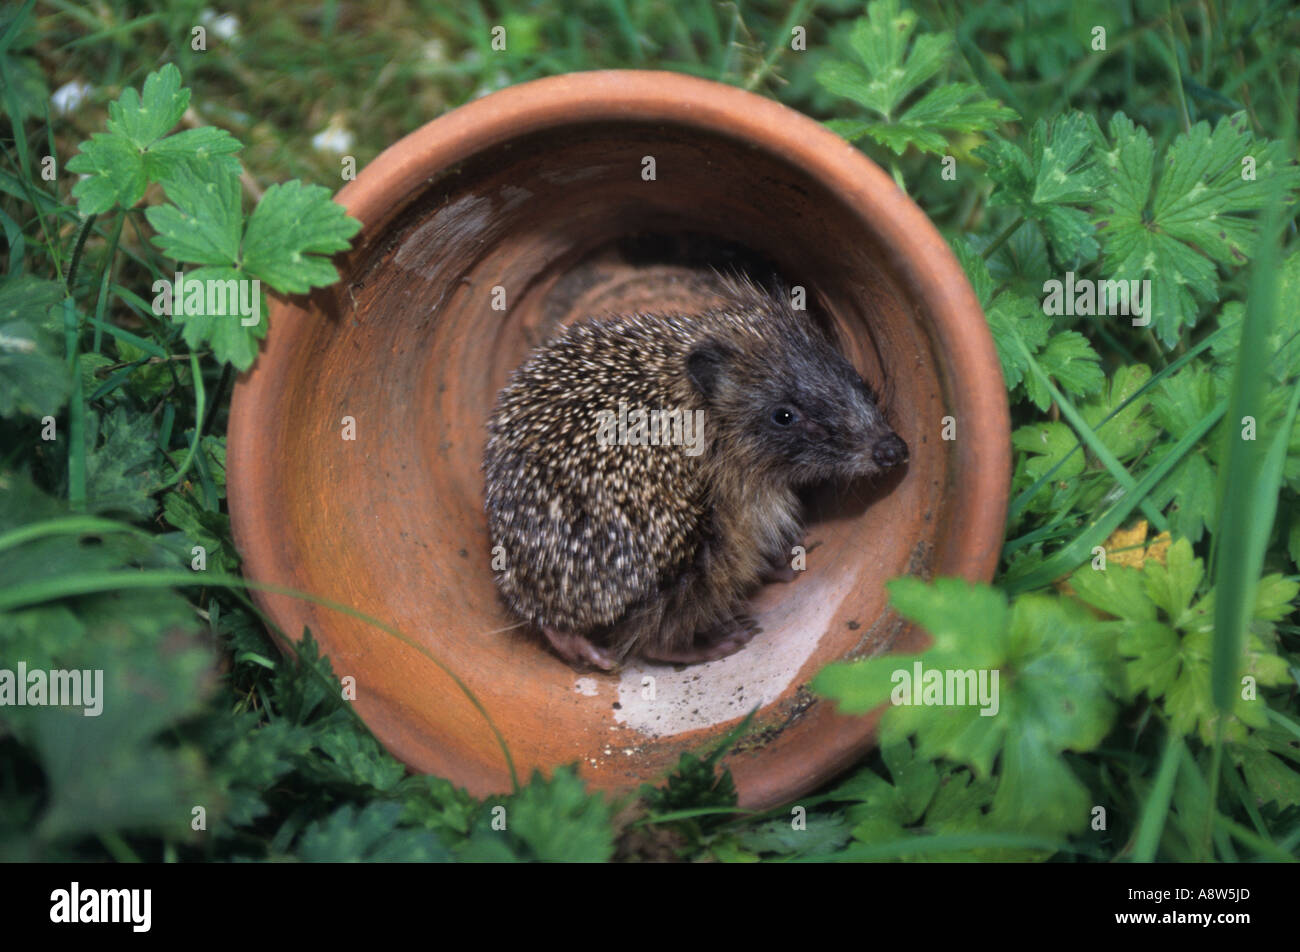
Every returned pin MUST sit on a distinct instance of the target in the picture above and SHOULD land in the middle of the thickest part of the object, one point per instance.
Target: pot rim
(926, 269)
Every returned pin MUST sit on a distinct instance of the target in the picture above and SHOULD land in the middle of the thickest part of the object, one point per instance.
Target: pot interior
(440, 302)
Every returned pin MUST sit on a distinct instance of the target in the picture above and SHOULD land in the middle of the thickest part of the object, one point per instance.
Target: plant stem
(77, 249)
(1001, 239)
(102, 302)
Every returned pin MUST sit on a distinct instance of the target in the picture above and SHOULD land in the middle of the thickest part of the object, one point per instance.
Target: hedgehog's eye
(784, 416)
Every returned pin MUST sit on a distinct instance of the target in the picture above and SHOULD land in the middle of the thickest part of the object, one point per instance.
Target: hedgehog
(642, 473)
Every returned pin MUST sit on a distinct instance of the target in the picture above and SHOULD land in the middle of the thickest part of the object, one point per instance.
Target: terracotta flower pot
(484, 231)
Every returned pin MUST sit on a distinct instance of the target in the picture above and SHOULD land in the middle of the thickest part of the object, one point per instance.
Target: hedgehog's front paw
(577, 650)
(728, 638)
(780, 569)
(712, 645)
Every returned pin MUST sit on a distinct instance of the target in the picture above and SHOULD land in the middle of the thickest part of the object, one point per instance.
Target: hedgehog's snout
(877, 446)
(889, 451)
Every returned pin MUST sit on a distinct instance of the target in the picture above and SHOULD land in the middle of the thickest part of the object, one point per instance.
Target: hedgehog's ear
(706, 366)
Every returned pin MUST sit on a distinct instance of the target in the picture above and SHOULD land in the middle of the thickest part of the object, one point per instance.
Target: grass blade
(1018, 504)
(944, 843)
(76, 411)
(1088, 436)
(1248, 486)
(26, 594)
(1156, 809)
(1080, 550)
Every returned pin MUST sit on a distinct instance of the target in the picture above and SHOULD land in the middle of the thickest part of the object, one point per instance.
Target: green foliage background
(1121, 688)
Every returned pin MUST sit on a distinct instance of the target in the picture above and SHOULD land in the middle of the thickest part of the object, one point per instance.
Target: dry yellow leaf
(1128, 547)
(1125, 546)
(1159, 546)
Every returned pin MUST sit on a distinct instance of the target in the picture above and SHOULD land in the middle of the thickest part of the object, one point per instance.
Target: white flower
(224, 25)
(17, 345)
(334, 138)
(69, 96)
(434, 51)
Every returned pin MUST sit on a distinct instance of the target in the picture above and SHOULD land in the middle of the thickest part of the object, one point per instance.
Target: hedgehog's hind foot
(778, 572)
(713, 644)
(577, 649)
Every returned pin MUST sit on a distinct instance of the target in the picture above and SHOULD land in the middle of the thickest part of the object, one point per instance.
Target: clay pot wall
(539, 191)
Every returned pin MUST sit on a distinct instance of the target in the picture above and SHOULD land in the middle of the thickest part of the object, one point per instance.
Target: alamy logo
(209, 297)
(642, 427)
(950, 687)
(1085, 297)
(55, 688)
(103, 905)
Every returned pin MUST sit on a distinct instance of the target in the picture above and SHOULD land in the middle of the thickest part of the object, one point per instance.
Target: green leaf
(124, 767)
(1057, 172)
(206, 147)
(860, 686)
(1047, 445)
(1165, 636)
(283, 244)
(1269, 777)
(1188, 491)
(1172, 585)
(307, 688)
(960, 803)
(967, 622)
(695, 783)
(435, 804)
(204, 221)
(1283, 337)
(1013, 319)
(359, 759)
(142, 119)
(369, 834)
(107, 772)
(1055, 697)
(1183, 399)
(1130, 430)
(40, 635)
(821, 835)
(551, 820)
(122, 162)
(249, 757)
(293, 226)
(33, 375)
(916, 779)
(1071, 362)
(1274, 597)
(1021, 264)
(116, 173)
(891, 69)
(1118, 590)
(920, 791)
(850, 129)
(121, 463)
(950, 107)
(202, 527)
(230, 339)
(1173, 231)
(1052, 694)
(1155, 657)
